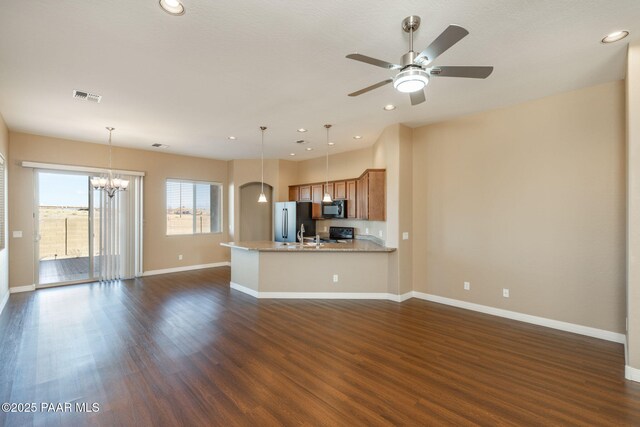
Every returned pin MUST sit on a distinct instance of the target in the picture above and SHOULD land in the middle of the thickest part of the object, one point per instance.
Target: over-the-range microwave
(335, 209)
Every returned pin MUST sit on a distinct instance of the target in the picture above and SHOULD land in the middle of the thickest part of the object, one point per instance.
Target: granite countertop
(358, 245)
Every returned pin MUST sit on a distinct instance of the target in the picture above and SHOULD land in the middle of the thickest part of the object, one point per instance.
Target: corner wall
(633, 212)
(160, 251)
(4, 253)
(529, 198)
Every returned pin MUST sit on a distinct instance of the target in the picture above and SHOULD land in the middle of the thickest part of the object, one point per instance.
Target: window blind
(3, 194)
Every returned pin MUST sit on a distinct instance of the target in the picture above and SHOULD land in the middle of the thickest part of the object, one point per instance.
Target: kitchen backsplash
(374, 228)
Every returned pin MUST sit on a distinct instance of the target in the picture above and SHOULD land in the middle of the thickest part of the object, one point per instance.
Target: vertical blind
(3, 195)
(121, 233)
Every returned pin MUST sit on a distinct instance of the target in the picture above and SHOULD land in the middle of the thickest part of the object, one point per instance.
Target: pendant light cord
(327, 174)
(262, 128)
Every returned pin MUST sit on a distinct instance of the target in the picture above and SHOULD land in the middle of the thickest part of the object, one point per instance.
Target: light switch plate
(405, 236)
(17, 234)
(380, 233)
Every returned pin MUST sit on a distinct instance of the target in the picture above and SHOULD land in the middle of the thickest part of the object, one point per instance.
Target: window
(193, 207)
(3, 192)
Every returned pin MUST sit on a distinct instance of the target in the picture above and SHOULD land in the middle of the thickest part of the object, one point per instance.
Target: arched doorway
(256, 219)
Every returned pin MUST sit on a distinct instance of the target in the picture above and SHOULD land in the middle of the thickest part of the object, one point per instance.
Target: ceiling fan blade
(373, 61)
(452, 35)
(471, 72)
(417, 97)
(372, 87)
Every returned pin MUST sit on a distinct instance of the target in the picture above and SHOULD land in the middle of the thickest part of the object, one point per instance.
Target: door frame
(36, 227)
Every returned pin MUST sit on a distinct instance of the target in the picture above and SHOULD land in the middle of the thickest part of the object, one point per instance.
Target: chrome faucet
(300, 234)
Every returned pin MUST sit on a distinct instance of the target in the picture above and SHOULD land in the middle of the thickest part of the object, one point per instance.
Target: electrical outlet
(505, 292)
(180, 257)
(405, 236)
(324, 228)
(335, 278)
(467, 286)
(366, 231)
(380, 233)
(17, 234)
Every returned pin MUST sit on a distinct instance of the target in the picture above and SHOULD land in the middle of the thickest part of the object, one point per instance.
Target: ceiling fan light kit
(411, 80)
(413, 75)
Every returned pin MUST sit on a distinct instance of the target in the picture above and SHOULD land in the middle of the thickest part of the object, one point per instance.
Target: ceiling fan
(414, 74)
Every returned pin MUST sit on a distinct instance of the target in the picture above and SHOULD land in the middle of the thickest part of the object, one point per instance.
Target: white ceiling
(227, 67)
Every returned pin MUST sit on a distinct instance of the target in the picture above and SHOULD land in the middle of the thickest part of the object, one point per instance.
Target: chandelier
(109, 184)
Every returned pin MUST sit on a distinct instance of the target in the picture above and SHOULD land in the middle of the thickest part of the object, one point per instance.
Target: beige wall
(633, 205)
(4, 253)
(530, 198)
(160, 251)
(341, 166)
(241, 172)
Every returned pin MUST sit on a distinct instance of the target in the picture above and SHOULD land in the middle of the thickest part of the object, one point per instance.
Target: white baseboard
(632, 374)
(186, 268)
(17, 289)
(244, 289)
(5, 299)
(541, 321)
(318, 295)
(405, 297)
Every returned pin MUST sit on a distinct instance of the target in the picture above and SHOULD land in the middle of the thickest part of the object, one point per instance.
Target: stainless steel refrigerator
(289, 216)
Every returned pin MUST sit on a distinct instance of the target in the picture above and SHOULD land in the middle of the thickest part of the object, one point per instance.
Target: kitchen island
(355, 269)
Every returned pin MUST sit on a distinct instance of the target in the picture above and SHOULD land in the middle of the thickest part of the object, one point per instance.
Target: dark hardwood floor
(184, 349)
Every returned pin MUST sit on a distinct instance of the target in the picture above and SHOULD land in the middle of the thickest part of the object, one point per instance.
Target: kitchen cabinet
(316, 198)
(294, 194)
(371, 198)
(365, 196)
(304, 193)
(351, 198)
(340, 190)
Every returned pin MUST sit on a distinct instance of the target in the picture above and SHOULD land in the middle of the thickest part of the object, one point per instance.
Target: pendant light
(327, 197)
(109, 184)
(262, 198)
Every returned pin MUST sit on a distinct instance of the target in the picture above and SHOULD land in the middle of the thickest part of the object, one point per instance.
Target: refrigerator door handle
(285, 229)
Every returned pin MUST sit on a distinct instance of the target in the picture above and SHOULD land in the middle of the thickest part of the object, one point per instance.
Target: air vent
(157, 145)
(86, 96)
(302, 141)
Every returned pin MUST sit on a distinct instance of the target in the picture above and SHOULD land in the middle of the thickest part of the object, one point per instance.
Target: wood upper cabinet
(352, 203)
(316, 198)
(371, 198)
(365, 196)
(304, 193)
(362, 188)
(340, 190)
(294, 194)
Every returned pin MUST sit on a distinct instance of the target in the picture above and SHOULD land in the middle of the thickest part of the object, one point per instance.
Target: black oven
(335, 209)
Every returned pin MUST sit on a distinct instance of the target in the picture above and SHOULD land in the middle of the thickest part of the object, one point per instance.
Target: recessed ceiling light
(172, 7)
(615, 36)
(357, 137)
(332, 143)
(389, 107)
(309, 148)
(292, 154)
(302, 130)
(233, 138)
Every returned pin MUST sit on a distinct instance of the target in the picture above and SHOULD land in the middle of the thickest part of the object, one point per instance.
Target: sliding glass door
(65, 215)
